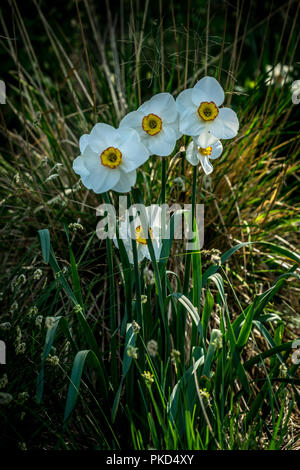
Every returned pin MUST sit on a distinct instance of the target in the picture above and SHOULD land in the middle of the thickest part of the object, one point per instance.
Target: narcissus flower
(109, 158)
(133, 229)
(156, 122)
(200, 112)
(203, 149)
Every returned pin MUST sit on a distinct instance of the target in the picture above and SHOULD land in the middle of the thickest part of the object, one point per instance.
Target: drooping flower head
(202, 149)
(156, 122)
(134, 229)
(200, 112)
(109, 158)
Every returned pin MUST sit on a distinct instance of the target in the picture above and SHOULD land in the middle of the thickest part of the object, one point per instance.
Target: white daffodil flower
(133, 229)
(156, 122)
(202, 149)
(109, 158)
(200, 112)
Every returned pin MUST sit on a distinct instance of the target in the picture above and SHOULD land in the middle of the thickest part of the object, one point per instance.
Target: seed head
(3, 381)
(148, 377)
(152, 348)
(135, 327)
(37, 274)
(132, 352)
(5, 398)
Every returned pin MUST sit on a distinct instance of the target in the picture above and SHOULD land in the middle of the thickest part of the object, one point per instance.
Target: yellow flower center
(205, 151)
(208, 111)
(139, 235)
(152, 124)
(111, 157)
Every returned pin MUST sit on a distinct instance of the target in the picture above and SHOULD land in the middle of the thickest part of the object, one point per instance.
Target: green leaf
(50, 336)
(167, 242)
(215, 335)
(89, 336)
(75, 278)
(235, 357)
(127, 360)
(275, 248)
(246, 328)
(81, 358)
(269, 353)
(187, 304)
(208, 306)
(45, 244)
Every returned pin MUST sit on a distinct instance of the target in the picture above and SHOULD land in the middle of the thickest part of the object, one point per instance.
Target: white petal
(130, 256)
(156, 232)
(83, 142)
(128, 249)
(103, 136)
(163, 105)
(91, 160)
(97, 176)
(192, 155)
(123, 230)
(174, 126)
(198, 96)
(134, 152)
(154, 214)
(190, 122)
(163, 143)
(125, 183)
(157, 250)
(206, 165)
(178, 131)
(212, 89)
(226, 124)
(99, 185)
(145, 108)
(115, 240)
(206, 138)
(127, 133)
(216, 151)
(133, 120)
(184, 100)
(142, 251)
(79, 167)
(157, 246)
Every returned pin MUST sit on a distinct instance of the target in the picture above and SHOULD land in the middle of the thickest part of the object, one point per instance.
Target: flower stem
(137, 278)
(163, 221)
(163, 181)
(195, 168)
(112, 312)
(196, 256)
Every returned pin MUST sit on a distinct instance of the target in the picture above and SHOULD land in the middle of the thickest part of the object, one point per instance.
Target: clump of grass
(222, 377)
